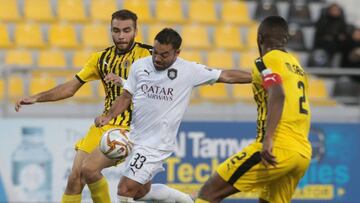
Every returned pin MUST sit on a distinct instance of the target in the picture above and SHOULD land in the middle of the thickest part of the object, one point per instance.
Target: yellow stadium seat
(202, 11)
(63, 36)
(191, 55)
(141, 7)
(2, 89)
(4, 37)
(39, 83)
(247, 59)
(71, 10)
(96, 36)
(51, 59)
(252, 37)
(101, 10)
(140, 35)
(153, 30)
(80, 58)
(243, 92)
(29, 35)
(38, 10)
(169, 11)
(318, 93)
(228, 37)
(19, 57)
(216, 92)
(220, 59)
(195, 36)
(101, 91)
(9, 10)
(16, 87)
(85, 93)
(235, 11)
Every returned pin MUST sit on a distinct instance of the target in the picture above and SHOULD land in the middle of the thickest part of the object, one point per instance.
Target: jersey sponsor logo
(126, 64)
(148, 72)
(172, 73)
(158, 92)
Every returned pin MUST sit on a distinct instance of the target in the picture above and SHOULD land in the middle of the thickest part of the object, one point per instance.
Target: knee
(74, 178)
(75, 183)
(89, 172)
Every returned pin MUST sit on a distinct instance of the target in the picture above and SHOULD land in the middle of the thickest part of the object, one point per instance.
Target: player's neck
(267, 49)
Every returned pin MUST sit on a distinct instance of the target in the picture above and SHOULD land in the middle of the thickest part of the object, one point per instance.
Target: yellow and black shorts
(92, 138)
(245, 172)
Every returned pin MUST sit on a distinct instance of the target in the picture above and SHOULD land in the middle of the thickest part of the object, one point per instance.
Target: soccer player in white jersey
(160, 88)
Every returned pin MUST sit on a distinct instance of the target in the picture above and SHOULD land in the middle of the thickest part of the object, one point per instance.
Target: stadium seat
(318, 93)
(296, 38)
(234, 11)
(220, 59)
(140, 34)
(96, 36)
(169, 11)
(9, 11)
(16, 85)
(247, 59)
(29, 35)
(19, 57)
(85, 93)
(80, 58)
(100, 90)
(243, 93)
(214, 93)
(141, 7)
(228, 37)
(63, 36)
(38, 10)
(195, 36)
(265, 8)
(191, 55)
(101, 10)
(42, 82)
(51, 59)
(299, 12)
(346, 91)
(5, 37)
(2, 89)
(252, 37)
(71, 10)
(202, 11)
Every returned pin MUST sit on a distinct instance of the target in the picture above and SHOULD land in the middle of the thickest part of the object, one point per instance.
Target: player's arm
(63, 91)
(273, 85)
(119, 106)
(234, 76)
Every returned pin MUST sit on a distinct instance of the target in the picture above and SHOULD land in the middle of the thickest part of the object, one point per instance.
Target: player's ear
(177, 52)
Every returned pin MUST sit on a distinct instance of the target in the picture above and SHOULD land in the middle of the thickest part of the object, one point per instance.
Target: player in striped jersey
(281, 154)
(111, 66)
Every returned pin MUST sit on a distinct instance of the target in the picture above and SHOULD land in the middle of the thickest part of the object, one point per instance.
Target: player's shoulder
(274, 55)
(144, 46)
(142, 61)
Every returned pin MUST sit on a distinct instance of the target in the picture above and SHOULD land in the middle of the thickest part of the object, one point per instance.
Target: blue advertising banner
(332, 176)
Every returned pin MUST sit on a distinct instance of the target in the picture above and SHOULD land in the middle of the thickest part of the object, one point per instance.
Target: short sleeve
(89, 72)
(275, 64)
(201, 74)
(130, 83)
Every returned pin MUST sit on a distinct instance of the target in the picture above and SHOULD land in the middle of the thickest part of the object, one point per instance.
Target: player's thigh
(216, 188)
(282, 189)
(97, 161)
(91, 140)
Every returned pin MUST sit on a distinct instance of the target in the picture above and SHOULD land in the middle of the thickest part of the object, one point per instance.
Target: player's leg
(163, 193)
(75, 183)
(215, 189)
(282, 189)
(91, 171)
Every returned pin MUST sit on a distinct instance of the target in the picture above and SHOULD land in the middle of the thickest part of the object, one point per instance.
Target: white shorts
(143, 163)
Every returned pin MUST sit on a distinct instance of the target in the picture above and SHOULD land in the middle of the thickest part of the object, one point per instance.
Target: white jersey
(160, 99)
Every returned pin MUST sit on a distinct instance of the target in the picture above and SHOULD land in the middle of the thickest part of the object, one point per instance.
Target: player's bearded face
(164, 55)
(123, 33)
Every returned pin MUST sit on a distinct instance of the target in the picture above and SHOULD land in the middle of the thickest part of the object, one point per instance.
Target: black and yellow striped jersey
(111, 61)
(293, 128)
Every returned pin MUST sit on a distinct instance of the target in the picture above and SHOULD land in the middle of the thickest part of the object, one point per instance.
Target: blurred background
(46, 42)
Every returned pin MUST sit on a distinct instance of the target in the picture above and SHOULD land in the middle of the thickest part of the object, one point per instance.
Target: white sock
(123, 199)
(163, 193)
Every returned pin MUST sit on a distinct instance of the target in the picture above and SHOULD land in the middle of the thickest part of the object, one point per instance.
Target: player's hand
(115, 79)
(24, 101)
(267, 158)
(102, 120)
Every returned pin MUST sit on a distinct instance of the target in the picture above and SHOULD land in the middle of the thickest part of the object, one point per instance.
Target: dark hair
(124, 14)
(169, 36)
(274, 27)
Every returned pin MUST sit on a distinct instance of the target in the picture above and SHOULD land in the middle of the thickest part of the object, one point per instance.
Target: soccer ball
(115, 144)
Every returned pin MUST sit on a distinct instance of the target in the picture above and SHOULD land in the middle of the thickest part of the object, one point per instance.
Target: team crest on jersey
(126, 63)
(172, 73)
